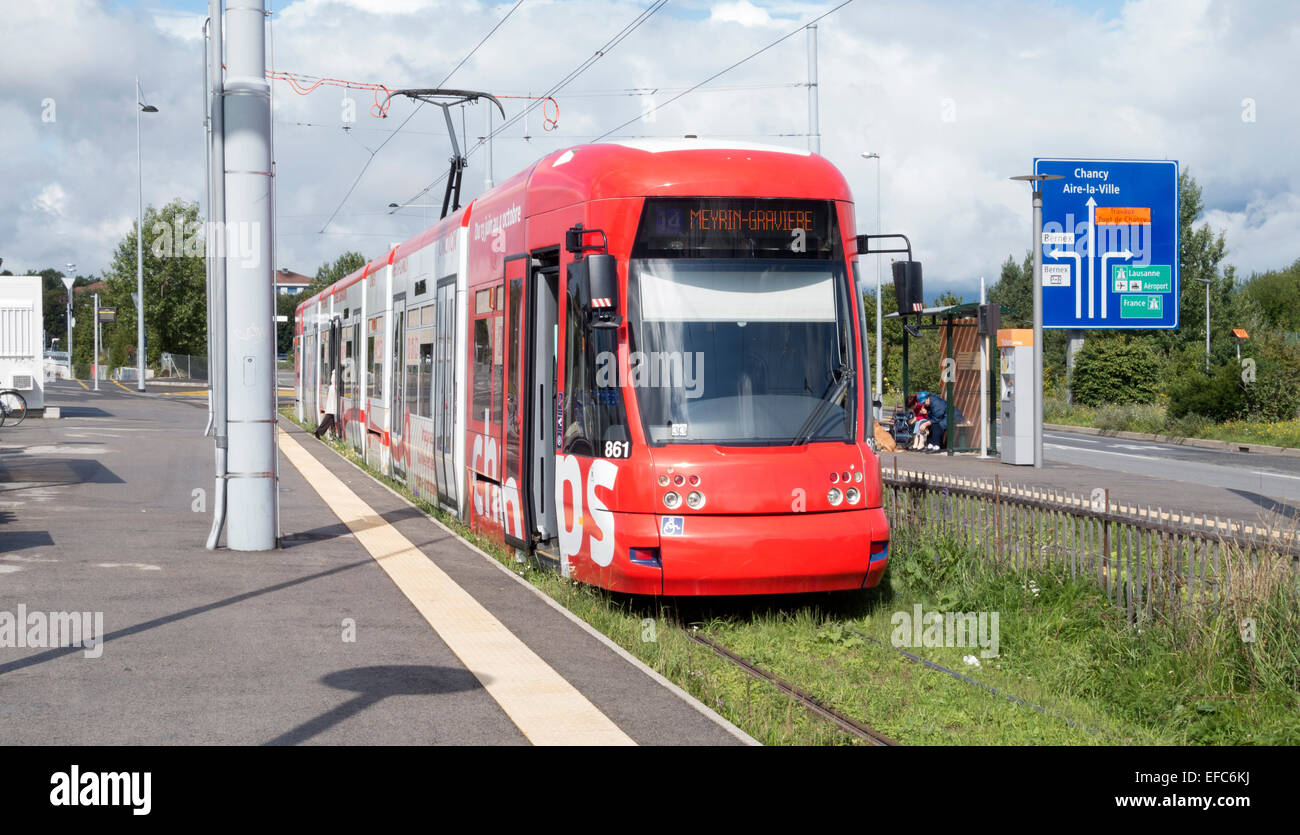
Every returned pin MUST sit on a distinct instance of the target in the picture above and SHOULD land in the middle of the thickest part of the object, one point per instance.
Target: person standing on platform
(331, 411)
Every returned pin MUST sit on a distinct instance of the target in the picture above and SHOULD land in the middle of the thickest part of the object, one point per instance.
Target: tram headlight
(672, 500)
(852, 495)
(663, 481)
(834, 496)
(858, 476)
(695, 500)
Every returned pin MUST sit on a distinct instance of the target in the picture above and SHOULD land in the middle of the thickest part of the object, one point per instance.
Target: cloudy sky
(954, 96)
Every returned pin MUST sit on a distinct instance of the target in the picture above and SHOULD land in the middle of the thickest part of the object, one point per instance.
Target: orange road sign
(1123, 214)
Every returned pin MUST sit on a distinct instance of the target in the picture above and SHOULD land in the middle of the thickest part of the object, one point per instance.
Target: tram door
(397, 411)
(514, 479)
(444, 390)
(542, 378)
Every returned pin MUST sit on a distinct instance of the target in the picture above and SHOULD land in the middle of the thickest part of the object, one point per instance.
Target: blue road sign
(1110, 243)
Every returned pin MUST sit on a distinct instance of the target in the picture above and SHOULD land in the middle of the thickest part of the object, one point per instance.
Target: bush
(1219, 396)
(1274, 393)
(1115, 370)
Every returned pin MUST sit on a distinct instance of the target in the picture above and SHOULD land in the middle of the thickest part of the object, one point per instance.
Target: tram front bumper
(777, 554)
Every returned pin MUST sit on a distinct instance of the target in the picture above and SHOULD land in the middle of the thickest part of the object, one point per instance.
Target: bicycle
(13, 407)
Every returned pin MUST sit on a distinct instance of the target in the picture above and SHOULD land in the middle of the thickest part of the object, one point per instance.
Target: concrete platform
(99, 513)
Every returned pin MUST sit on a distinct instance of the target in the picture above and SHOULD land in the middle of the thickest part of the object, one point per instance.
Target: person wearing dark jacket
(938, 408)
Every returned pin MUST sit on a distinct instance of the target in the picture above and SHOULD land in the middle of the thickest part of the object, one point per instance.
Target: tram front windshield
(739, 324)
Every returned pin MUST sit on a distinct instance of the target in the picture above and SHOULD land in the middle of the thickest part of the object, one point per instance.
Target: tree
(343, 266)
(175, 286)
(1272, 299)
(1014, 292)
(1201, 254)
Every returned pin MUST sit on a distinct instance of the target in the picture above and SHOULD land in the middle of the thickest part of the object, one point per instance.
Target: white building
(22, 337)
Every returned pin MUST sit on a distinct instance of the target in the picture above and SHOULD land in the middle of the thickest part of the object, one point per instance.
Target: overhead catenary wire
(411, 115)
(573, 75)
(726, 70)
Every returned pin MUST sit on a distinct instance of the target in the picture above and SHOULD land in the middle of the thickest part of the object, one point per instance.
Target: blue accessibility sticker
(672, 526)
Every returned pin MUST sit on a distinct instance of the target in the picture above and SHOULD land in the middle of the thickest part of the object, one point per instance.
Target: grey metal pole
(880, 323)
(139, 246)
(94, 368)
(216, 249)
(984, 384)
(814, 130)
(207, 213)
(1037, 383)
(250, 346)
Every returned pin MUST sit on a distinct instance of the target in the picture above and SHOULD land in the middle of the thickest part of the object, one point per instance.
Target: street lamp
(67, 283)
(139, 238)
(879, 324)
(396, 206)
(1036, 385)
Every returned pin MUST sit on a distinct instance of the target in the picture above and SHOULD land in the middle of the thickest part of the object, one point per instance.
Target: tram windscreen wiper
(843, 378)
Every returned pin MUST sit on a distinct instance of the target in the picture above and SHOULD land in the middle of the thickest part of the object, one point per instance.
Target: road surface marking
(539, 701)
(1101, 451)
(83, 385)
(1276, 475)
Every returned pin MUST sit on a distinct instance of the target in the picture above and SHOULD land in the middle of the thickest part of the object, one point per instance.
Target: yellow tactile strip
(543, 705)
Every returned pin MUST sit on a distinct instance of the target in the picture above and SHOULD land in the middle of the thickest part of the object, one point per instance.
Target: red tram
(641, 362)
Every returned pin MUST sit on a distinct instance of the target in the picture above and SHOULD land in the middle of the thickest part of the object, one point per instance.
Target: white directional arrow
(1092, 248)
(1078, 277)
(1105, 275)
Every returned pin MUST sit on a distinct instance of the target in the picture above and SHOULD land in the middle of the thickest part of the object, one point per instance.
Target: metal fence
(1147, 562)
(184, 366)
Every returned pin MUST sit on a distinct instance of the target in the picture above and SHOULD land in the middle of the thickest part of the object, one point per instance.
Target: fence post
(997, 516)
(1105, 539)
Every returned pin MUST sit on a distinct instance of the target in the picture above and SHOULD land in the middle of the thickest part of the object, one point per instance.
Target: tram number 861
(618, 449)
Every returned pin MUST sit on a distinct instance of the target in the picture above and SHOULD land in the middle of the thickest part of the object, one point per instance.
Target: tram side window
(482, 367)
(349, 373)
(424, 391)
(593, 414)
(376, 356)
(513, 416)
(414, 369)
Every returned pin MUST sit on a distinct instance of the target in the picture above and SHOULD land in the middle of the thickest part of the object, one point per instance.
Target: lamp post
(139, 238)
(1036, 384)
(68, 281)
(879, 324)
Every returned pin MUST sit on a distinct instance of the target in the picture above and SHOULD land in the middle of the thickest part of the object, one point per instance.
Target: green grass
(1063, 648)
(1153, 420)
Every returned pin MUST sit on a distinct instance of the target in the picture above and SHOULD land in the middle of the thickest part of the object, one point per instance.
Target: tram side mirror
(602, 287)
(907, 286)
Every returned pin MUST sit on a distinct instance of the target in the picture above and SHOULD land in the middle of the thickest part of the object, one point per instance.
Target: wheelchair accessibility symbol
(672, 526)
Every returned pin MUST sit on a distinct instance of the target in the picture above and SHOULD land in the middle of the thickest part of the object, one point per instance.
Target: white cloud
(741, 11)
(1024, 79)
(50, 199)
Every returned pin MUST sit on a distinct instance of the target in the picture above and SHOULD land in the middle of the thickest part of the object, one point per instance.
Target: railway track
(811, 703)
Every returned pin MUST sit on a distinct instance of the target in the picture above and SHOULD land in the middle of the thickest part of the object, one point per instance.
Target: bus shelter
(959, 373)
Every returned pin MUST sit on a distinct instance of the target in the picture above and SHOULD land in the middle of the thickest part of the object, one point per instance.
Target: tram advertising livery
(640, 363)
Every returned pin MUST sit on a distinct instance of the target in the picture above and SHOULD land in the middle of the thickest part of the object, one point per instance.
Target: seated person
(918, 421)
(938, 409)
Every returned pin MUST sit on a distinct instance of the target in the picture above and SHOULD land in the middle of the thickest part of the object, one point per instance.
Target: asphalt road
(1246, 486)
(1269, 477)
